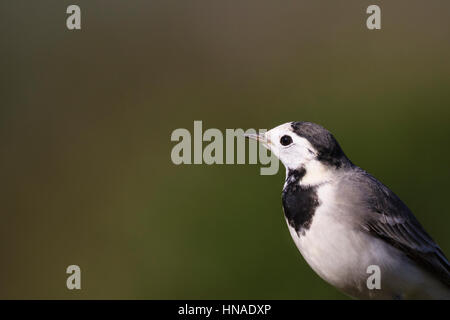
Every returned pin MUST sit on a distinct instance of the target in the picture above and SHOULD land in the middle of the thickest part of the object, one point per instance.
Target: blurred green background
(86, 118)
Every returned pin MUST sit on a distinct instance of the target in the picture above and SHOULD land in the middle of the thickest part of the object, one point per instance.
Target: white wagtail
(343, 220)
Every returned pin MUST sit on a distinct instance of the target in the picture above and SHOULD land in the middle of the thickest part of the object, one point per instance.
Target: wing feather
(393, 222)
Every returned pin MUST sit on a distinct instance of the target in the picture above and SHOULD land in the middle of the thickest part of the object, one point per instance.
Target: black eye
(286, 140)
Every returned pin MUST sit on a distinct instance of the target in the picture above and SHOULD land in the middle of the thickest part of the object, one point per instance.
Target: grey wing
(394, 223)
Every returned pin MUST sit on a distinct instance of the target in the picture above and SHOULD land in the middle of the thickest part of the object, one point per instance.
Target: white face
(292, 150)
(296, 152)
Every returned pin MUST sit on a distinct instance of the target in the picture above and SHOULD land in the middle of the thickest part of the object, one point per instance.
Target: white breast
(340, 253)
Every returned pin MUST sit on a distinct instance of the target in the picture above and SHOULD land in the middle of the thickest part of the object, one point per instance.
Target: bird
(343, 220)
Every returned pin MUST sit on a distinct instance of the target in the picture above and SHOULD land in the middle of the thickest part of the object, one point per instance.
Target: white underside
(340, 254)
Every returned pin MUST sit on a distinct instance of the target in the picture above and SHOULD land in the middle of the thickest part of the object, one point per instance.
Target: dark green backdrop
(86, 117)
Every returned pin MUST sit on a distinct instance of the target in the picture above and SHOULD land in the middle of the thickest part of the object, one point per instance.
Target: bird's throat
(299, 202)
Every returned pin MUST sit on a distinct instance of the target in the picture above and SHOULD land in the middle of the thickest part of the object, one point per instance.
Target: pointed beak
(258, 137)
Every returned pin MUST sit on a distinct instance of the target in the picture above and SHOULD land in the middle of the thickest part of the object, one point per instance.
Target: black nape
(329, 150)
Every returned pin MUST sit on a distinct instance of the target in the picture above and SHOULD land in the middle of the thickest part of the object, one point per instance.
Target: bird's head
(305, 146)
